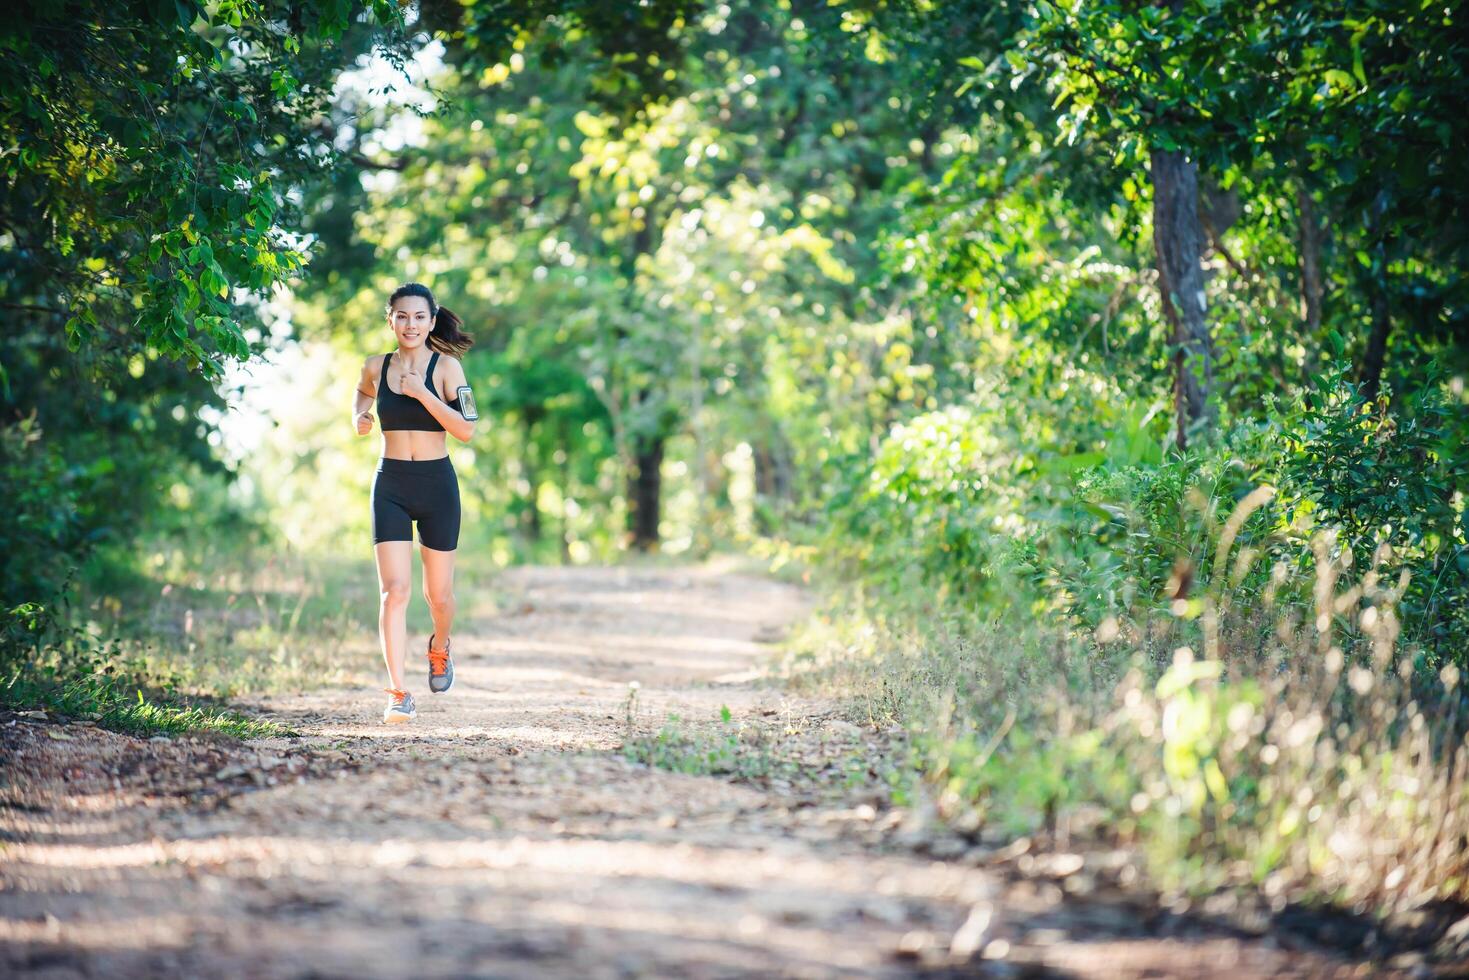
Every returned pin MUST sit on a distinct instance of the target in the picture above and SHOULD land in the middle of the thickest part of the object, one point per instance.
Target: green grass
(252, 623)
(726, 750)
(746, 751)
(157, 651)
(67, 670)
(260, 621)
(97, 695)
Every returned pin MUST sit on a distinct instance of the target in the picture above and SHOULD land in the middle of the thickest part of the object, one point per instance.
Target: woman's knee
(440, 602)
(394, 594)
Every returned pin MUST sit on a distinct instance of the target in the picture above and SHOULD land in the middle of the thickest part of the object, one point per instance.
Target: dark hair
(445, 337)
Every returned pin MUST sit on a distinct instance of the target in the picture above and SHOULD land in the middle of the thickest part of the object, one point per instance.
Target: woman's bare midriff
(413, 444)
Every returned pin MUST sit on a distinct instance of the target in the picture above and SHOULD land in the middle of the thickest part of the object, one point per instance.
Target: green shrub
(43, 527)
(1244, 658)
(1395, 475)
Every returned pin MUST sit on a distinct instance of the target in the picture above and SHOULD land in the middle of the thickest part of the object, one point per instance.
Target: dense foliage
(154, 182)
(157, 157)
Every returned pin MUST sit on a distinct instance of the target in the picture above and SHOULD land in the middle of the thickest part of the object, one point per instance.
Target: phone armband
(465, 398)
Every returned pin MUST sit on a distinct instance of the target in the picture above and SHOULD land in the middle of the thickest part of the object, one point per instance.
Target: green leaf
(1357, 69)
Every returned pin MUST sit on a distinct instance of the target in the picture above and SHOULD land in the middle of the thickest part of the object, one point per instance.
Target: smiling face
(411, 321)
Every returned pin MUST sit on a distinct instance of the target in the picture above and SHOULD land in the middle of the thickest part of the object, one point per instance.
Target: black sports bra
(396, 411)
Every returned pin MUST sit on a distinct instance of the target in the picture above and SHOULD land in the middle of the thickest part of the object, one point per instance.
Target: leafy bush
(43, 525)
(1237, 658)
(1394, 475)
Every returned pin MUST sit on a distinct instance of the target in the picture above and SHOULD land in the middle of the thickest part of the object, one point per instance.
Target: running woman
(420, 397)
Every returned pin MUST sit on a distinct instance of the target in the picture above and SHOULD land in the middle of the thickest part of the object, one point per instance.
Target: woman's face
(411, 321)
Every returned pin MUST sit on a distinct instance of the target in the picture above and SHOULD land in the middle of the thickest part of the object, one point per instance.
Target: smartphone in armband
(466, 402)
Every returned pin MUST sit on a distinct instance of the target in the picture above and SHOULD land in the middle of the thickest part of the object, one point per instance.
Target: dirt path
(503, 834)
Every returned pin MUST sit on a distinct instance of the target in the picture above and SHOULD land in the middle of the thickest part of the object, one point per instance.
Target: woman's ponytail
(446, 337)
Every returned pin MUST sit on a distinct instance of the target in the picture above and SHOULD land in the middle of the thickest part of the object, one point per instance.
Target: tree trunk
(705, 507)
(1178, 239)
(1376, 356)
(764, 471)
(564, 444)
(532, 475)
(772, 479)
(1311, 288)
(646, 485)
(764, 486)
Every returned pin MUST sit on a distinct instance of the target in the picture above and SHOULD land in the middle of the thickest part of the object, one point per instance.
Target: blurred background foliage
(990, 315)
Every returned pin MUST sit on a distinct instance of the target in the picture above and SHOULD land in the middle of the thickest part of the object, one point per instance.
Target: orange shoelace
(398, 695)
(438, 660)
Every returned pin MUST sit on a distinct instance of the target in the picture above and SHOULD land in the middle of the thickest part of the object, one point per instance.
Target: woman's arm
(452, 377)
(362, 401)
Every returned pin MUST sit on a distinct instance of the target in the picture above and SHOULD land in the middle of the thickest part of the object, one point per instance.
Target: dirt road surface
(505, 834)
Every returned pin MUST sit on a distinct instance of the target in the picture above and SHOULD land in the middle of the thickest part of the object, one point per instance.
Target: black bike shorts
(422, 490)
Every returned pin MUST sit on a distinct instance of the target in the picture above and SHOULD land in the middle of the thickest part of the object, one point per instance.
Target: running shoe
(440, 668)
(400, 707)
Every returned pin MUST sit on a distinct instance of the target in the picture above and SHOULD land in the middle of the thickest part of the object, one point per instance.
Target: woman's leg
(438, 591)
(438, 539)
(394, 578)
